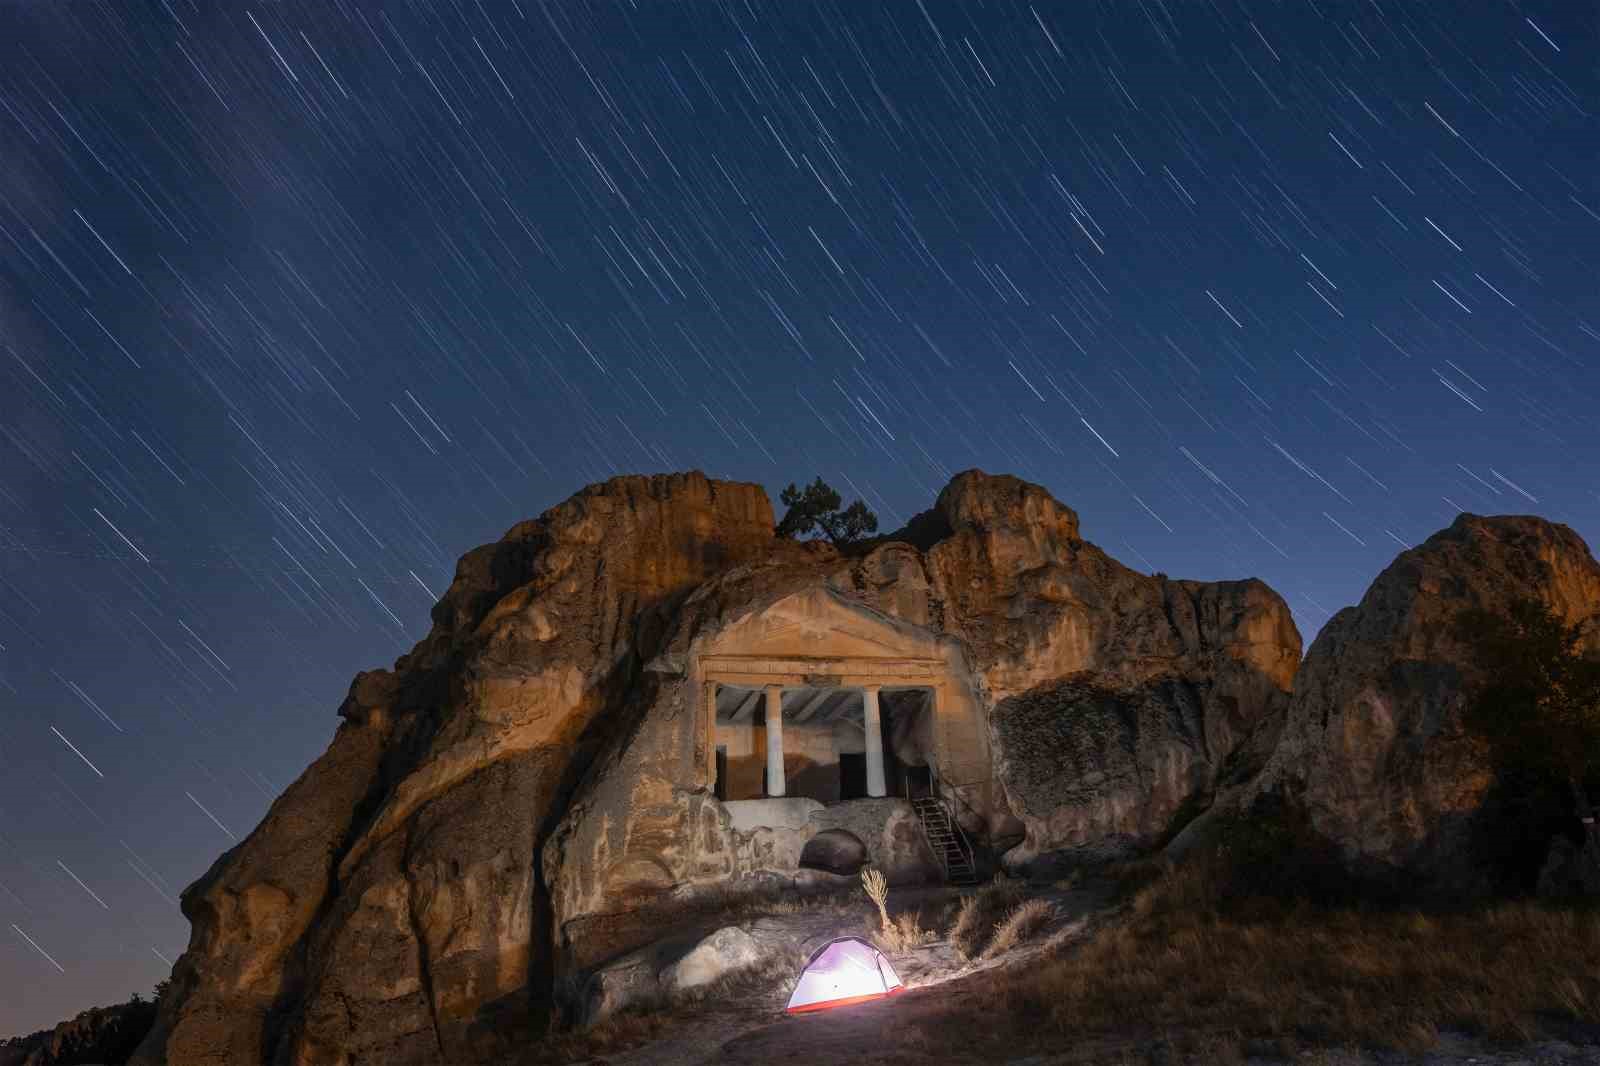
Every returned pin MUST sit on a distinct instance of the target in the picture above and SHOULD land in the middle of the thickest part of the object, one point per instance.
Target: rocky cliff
(389, 908)
(1373, 748)
(408, 898)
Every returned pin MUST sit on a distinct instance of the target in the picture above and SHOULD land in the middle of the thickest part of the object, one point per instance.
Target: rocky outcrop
(387, 908)
(727, 950)
(1373, 748)
(997, 584)
(1181, 672)
(526, 792)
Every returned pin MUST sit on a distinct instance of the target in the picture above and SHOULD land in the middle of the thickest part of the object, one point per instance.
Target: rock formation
(1373, 747)
(388, 908)
(525, 793)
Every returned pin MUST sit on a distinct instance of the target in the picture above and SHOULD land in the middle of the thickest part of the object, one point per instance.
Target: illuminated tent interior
(843, 971)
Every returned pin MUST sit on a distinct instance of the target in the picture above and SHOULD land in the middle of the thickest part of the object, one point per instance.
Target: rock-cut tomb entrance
(817, 697)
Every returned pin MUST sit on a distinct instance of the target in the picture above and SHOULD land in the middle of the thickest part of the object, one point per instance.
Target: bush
(904, 933)
(1272, 855)
(979, 913)
(1020, 925)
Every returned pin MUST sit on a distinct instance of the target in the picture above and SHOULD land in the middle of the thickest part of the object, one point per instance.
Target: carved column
(874, 729)
(774, 740)
(706, 746)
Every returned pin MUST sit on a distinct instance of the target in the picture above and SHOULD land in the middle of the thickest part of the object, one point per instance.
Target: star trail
(299, 302)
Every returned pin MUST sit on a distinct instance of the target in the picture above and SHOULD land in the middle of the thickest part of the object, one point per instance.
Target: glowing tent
(843, 971)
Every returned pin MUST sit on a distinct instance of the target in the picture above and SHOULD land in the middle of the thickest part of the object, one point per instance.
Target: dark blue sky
(298, 302)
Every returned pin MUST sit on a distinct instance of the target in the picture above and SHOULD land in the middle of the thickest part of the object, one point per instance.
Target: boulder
(1373, 748)
(1183, 674)
(723, 952)
(834, 851)
(1105, 770)
(631, 981)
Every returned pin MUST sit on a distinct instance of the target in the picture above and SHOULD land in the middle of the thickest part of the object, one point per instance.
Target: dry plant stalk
(878, 891)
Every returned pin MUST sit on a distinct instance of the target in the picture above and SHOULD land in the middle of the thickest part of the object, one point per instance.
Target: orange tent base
(811, 1008)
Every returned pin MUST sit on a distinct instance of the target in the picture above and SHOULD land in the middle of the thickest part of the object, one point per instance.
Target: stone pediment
(817, 624)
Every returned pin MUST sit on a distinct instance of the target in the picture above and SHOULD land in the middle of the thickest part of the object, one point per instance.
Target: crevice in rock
(424, 962)
(392, 764)
(629, 692)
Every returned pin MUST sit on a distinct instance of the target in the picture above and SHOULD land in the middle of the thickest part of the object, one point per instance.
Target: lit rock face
(527, 792)
(386, 909)
(1117, 697)
(1373, 747)
(996, 587)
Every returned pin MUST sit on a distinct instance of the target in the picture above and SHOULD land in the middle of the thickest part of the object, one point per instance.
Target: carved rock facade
(533, 789)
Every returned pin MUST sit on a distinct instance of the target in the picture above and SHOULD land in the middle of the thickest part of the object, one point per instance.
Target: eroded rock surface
(996, 586)
(728, 949)
(1373, 746)
(387, 908)
(526, 793)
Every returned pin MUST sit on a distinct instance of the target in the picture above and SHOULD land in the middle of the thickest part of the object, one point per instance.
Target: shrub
(1020, 925)
(978, 914)
(904, 933)
(877, 889)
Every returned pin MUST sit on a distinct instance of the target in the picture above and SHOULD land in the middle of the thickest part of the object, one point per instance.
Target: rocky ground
(916, 1027)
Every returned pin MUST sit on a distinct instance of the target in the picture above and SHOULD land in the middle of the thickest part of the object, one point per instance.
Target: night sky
(301, 301)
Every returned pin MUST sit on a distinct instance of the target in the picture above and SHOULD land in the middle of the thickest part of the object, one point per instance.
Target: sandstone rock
(997, 585)
(721, 953)
(836, 851)
(1209, 663)
(528, 793)
(631, 981)
(889, 833)
(387, 908)
(1106, 769)
(1373, 746)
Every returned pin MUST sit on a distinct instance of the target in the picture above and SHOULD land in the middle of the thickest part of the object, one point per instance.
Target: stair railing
(938, 852)
(963, 844)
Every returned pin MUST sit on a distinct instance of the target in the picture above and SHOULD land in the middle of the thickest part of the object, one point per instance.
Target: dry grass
(978, 914)
(732, 905)
(877, 890)
(620, 1032)
(904, 933)
(1266, 974)
(1020, 925)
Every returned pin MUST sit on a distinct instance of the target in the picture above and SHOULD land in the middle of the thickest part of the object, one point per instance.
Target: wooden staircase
(946, 840)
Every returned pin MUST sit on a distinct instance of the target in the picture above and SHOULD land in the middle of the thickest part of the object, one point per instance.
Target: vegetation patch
(980, 913)
(1242, 951)
(1019, 926)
